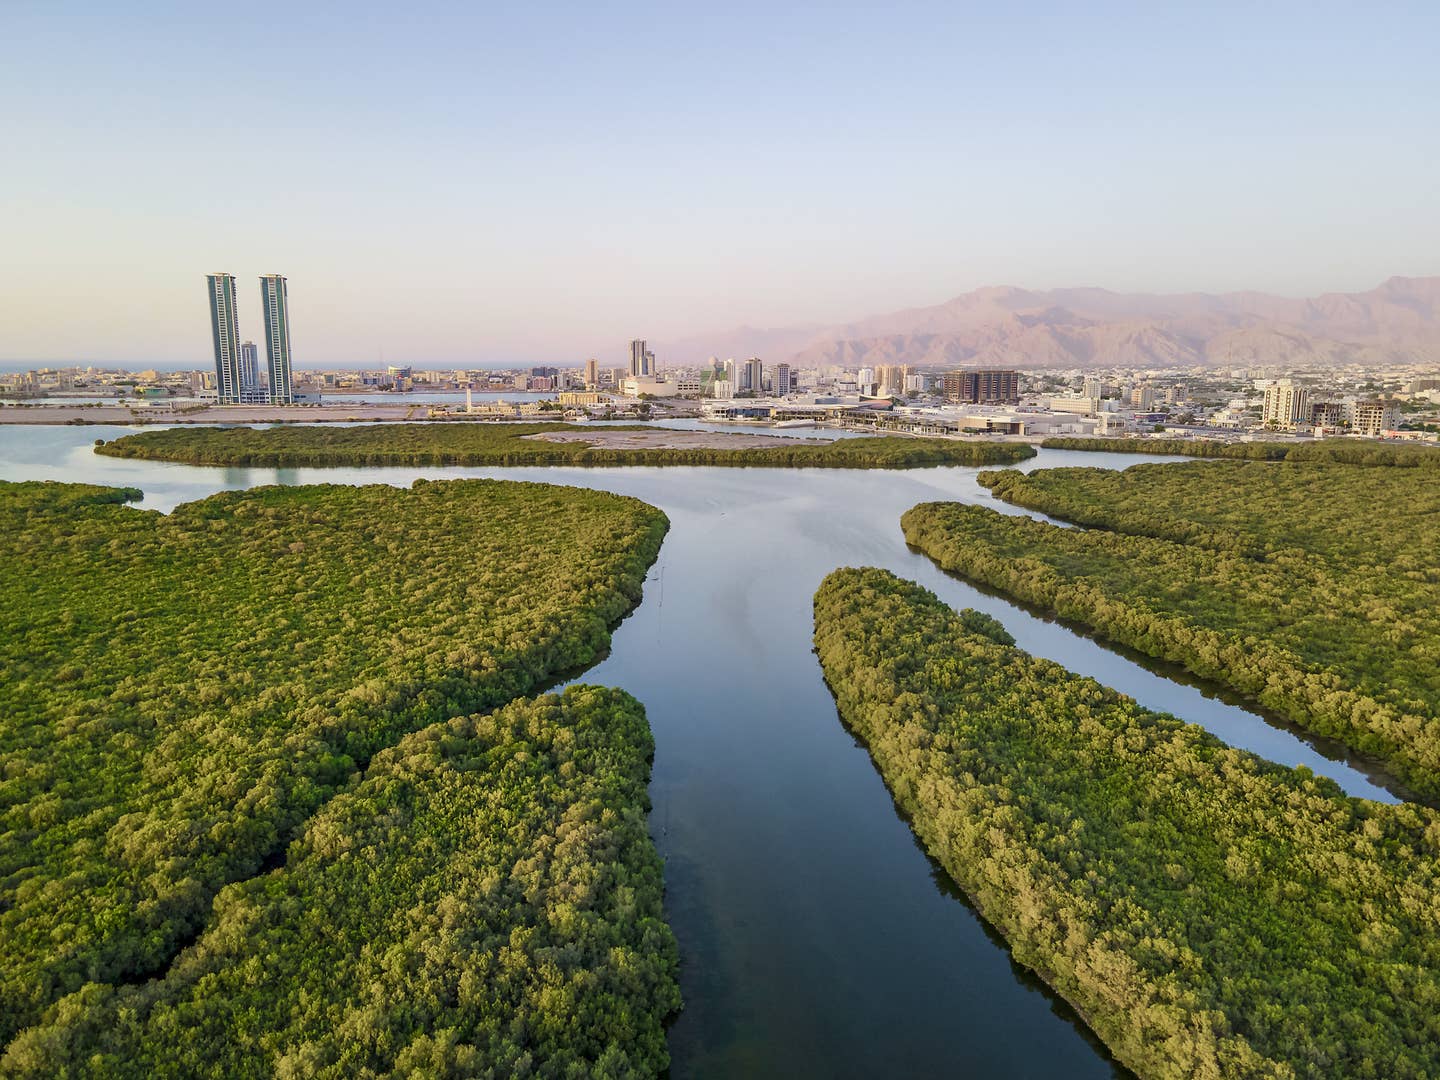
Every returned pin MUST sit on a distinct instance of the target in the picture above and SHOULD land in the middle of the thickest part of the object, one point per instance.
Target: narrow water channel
(817, 939)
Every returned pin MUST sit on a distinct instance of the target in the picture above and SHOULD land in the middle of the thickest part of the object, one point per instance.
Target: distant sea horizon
(357, 365)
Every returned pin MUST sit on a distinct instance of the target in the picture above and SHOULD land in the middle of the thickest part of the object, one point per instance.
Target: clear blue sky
(543, 182)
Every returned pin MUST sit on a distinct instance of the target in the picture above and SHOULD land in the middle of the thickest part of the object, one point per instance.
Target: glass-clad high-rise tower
(275, 309)
(226, 334)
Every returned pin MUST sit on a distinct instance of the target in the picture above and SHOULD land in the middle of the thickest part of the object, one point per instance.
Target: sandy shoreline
(670, 439)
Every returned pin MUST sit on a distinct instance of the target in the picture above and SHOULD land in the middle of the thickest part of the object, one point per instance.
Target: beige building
(636, 385)
(582, 397)
(1085, 406)
(1373, 417)
(1287, 404)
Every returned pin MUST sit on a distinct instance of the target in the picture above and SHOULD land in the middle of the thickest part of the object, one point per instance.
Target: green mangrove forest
(1311, 588)
(485, 902)
(184, 692)
(1209, 914)
(495, 444)
(1340, 450)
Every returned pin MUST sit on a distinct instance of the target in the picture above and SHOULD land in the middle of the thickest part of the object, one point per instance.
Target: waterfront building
(986, 386)
(249, 368)
(275, 309)
(1287, 404)
(225, 333)
(638, 385)
(573, 398)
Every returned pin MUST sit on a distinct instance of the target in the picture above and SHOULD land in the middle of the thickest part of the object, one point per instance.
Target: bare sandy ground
(668, 439)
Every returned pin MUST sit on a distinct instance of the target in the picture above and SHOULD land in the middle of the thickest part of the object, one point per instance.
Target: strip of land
(541, 444)
(669, 439)
(1352, 451)
(1208, 913)
(1308, 587)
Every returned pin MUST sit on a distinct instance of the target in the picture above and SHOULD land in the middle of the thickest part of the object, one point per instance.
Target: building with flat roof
(752, 376)
(249, 368)
(1287, 404)
(985, 386)
(1373, 417)
(642, 361)
(582, 397)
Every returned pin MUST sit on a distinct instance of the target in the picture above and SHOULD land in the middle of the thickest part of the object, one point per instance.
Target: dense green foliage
(182, 691)
(486, 902)
(1312, 589)
(1210, 914)
(507, 444)
(1343, 450)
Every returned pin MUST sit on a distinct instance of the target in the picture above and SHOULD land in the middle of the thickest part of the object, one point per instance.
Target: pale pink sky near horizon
(540, 186)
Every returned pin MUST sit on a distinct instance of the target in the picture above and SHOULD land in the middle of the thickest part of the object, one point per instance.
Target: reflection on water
(817, 938)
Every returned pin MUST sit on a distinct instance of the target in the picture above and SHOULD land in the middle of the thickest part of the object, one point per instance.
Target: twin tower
(237, 376)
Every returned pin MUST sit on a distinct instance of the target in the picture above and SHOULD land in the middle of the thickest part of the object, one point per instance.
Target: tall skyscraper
(592, 374)
(782, 379)
(642, 360)
(226, 334)
(754, 377)
(249, 368)
(275, 307)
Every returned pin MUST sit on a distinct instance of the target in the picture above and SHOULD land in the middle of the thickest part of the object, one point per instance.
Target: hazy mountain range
(1398, 321)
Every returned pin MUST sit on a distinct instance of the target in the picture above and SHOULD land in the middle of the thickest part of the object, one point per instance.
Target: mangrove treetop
(487, 444)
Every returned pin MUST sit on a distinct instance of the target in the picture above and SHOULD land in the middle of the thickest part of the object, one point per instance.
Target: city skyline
(441, 213)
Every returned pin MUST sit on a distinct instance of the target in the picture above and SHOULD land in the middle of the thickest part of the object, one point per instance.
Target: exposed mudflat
(670, 439)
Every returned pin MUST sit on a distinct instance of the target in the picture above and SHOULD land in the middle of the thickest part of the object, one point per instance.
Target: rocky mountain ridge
(1004, 325)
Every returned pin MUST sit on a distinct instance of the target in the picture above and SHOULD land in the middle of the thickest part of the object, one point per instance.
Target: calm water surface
(817, 939)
